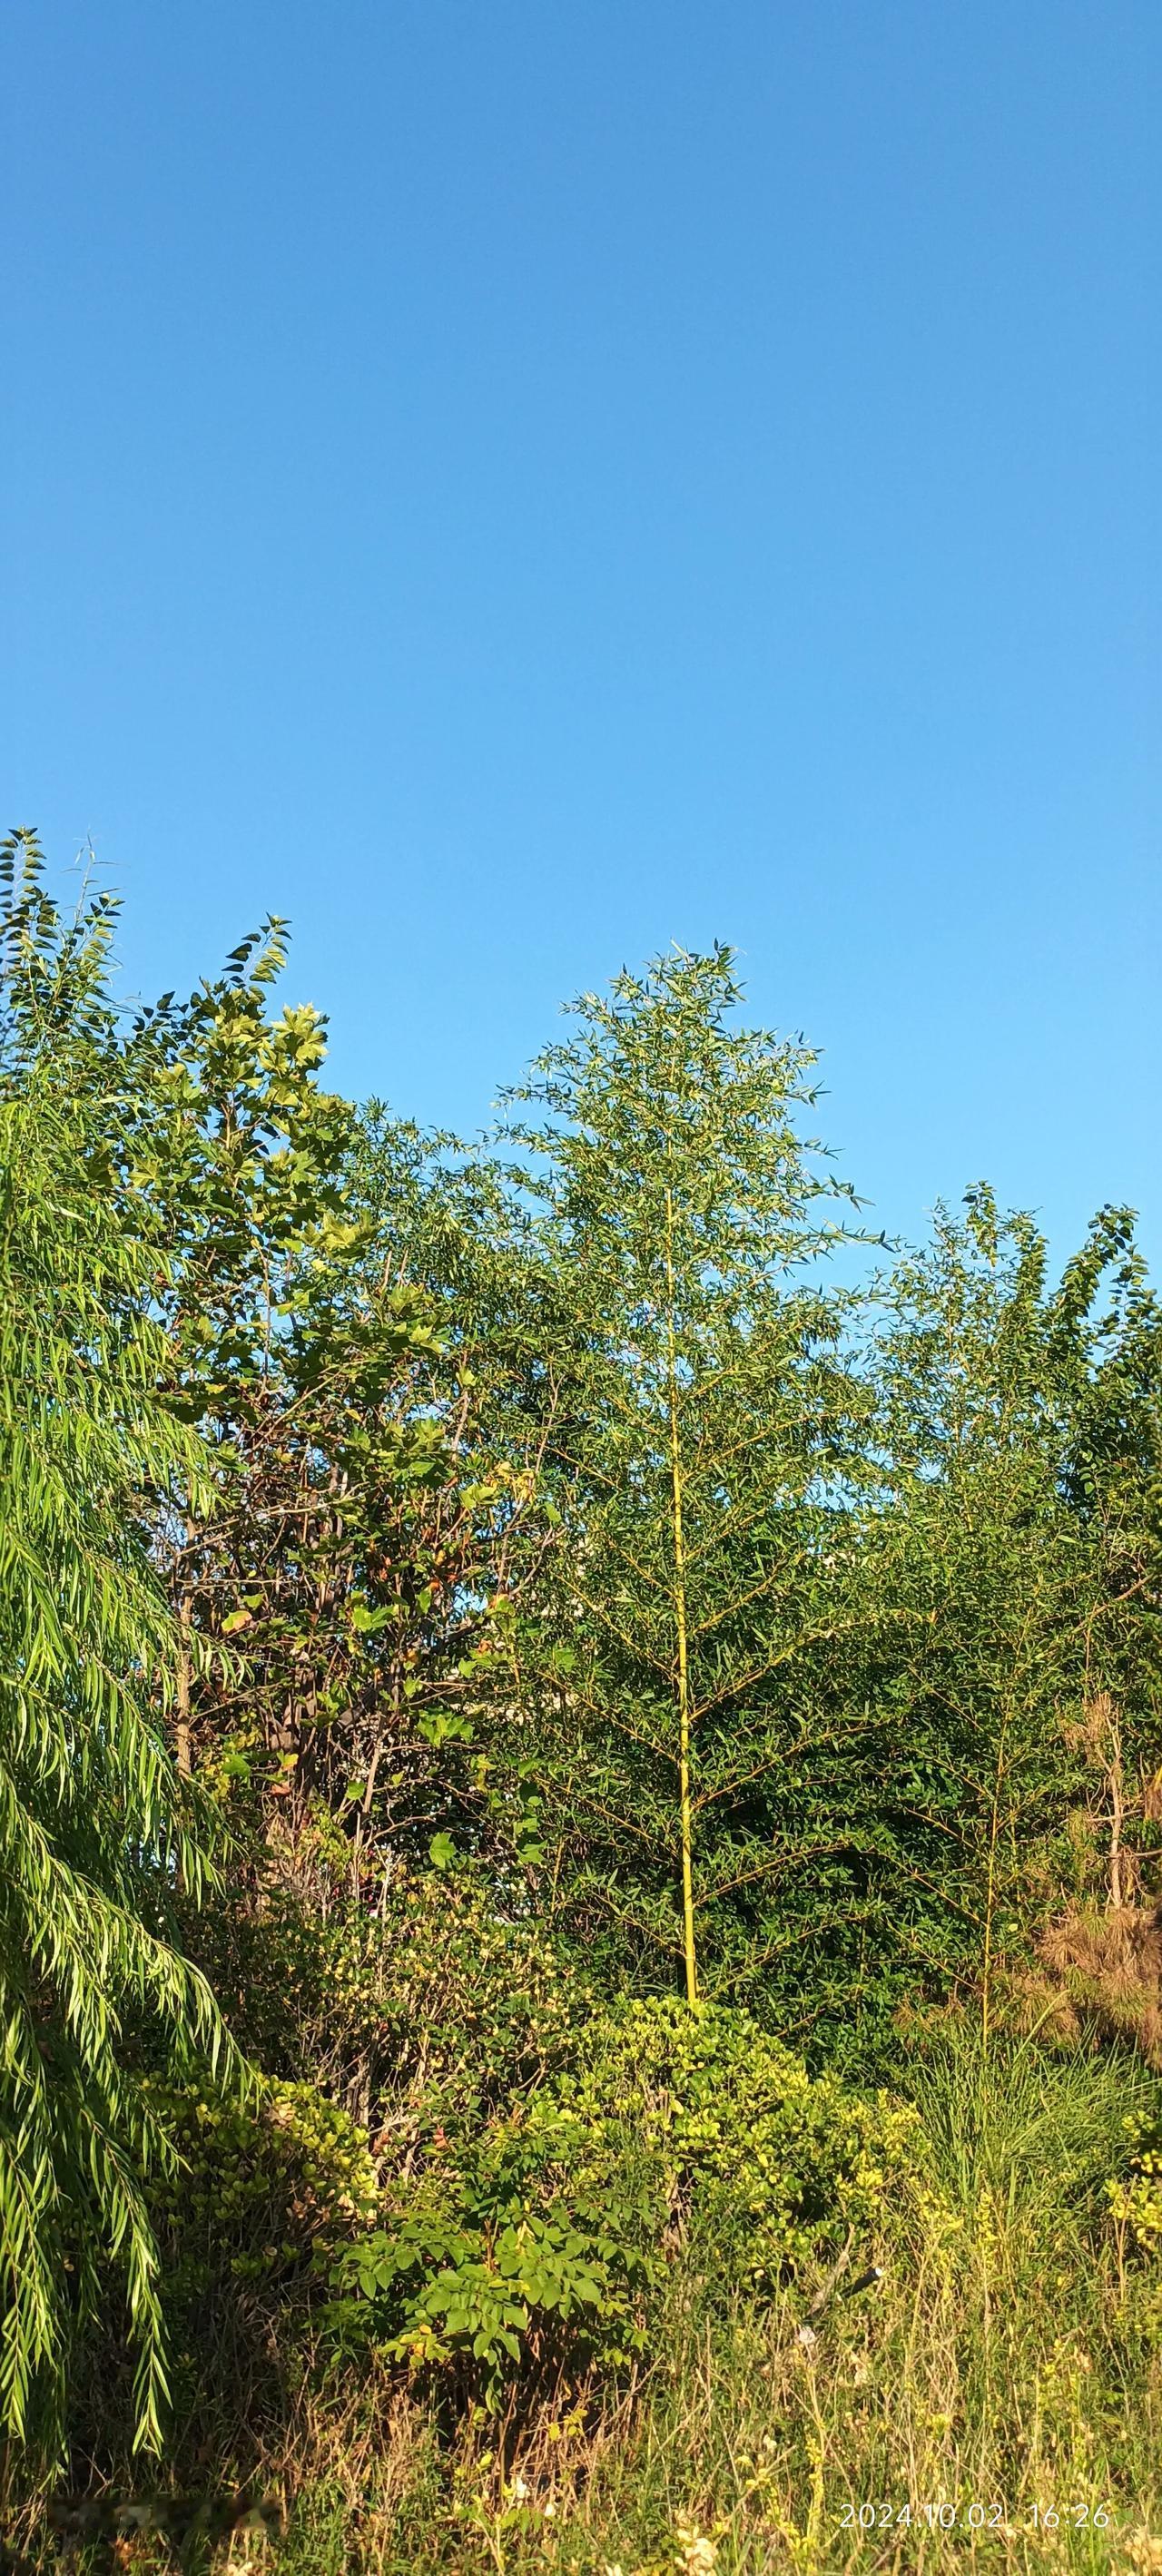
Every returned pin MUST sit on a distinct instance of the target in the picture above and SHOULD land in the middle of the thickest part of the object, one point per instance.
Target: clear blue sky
(510, 483)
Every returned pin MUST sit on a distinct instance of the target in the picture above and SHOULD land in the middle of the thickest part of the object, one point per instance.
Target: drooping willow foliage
(91, 1833)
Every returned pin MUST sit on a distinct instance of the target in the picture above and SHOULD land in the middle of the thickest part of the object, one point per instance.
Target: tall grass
(1004, 2363)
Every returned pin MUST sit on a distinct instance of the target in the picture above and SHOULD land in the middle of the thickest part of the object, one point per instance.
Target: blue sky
(511, 485)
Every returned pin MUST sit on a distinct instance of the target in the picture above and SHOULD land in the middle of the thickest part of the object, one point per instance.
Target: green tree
(702, 1438)
(93, 1832)
(1016, 1548)
(358, 1536)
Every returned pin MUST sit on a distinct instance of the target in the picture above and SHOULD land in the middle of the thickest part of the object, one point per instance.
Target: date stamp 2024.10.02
(988, 2514)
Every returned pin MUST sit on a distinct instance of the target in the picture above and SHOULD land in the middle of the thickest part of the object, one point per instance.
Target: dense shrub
(542, 2243)
(770, 2165)
(1135, 2196)
(261, 2193)
(438, 2006)
(250, 2215)
(250, 2223)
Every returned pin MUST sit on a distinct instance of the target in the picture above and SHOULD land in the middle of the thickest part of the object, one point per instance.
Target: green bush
(1135, 2197)
(262, 2194)
(768, 2167)
(541, 2246)
(496, 2266)
(437, 2008)
(251, 2224)
(249, 2220)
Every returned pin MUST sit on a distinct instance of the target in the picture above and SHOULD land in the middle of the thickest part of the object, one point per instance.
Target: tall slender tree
(704, 1438)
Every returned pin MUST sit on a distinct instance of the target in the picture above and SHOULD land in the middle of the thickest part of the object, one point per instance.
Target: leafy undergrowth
(542, 2245)
(992, 2400)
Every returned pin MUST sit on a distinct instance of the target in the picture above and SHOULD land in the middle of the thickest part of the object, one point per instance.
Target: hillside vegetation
(580, 1815)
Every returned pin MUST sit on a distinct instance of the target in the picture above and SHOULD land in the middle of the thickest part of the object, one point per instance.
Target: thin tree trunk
(986, 1989)
(182, 1721)
(685, 1807)
(1119, 1892)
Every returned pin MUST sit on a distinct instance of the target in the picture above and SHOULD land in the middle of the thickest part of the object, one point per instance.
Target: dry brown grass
(1101, 1977)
